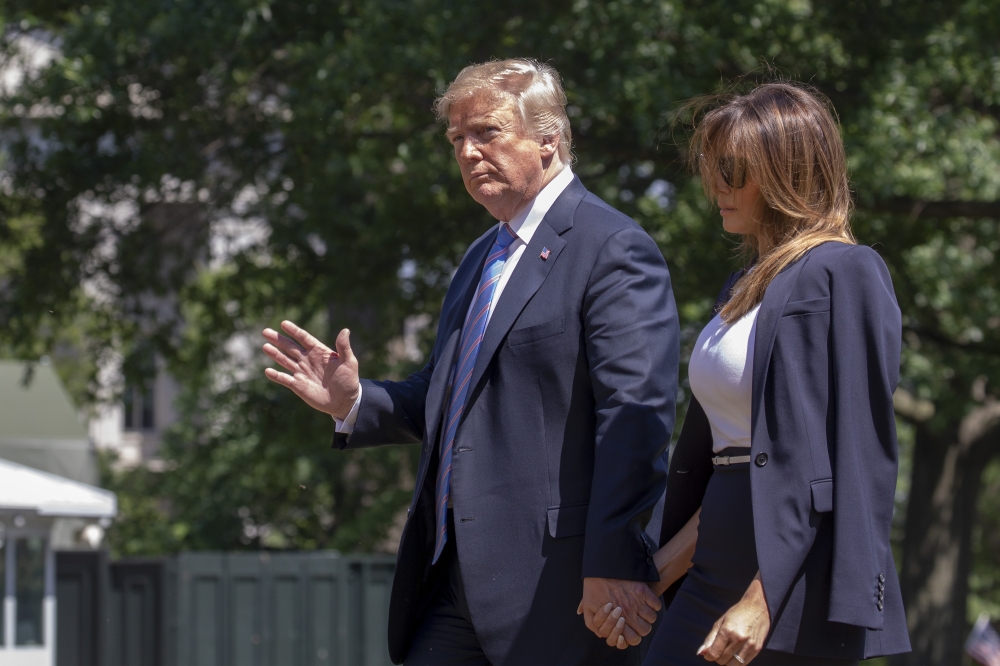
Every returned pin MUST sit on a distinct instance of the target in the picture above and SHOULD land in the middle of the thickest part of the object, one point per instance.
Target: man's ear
(548, 146)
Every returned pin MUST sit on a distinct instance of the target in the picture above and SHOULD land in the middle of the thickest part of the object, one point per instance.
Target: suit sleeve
(390, 412)
(632, 345)
(866, 336)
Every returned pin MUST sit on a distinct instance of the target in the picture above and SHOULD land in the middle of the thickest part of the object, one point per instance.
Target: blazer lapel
(775, 298)
(528, 276)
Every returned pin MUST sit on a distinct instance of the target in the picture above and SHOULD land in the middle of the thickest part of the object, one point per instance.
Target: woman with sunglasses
(780, 490)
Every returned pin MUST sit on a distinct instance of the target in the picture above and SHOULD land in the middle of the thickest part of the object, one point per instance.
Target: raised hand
(325, 379)
(637, 602)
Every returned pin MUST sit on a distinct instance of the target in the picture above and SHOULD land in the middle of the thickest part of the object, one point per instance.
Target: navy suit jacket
(558, 461)
(824, 458)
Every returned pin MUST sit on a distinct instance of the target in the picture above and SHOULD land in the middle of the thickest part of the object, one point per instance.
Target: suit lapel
(775, 298)
(527, 277)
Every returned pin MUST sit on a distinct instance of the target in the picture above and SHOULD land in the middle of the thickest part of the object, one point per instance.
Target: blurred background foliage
(178, 174)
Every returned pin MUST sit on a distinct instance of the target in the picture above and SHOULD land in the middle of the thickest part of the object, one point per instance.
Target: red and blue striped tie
(472, 337)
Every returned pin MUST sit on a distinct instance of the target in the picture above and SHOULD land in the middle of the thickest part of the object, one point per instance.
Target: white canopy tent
(30, 503)
(24, 489)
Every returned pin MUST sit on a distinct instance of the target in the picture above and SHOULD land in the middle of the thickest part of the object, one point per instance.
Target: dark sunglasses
(733, 175)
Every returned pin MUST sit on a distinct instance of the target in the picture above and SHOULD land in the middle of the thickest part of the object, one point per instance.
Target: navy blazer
(558, 461)
(823, 446)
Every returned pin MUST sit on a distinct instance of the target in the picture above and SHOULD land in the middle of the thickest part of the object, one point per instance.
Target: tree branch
(910, 407)
(934, 209)
(947, 341)
(981, 427)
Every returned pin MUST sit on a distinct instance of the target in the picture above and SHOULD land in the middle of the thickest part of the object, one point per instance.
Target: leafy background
(181, 174)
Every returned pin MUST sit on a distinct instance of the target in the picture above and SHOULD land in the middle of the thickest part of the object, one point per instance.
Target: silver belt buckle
(720, 460)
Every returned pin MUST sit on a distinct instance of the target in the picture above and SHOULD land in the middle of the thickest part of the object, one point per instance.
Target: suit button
(649, 561)
(761, 459)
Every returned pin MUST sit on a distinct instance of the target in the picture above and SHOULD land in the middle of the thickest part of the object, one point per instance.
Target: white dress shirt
(523, 225)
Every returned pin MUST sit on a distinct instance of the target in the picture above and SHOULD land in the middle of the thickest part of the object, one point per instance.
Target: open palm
(327, 380)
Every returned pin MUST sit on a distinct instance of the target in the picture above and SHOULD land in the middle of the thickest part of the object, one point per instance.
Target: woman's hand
(612, 624)
(739, 635)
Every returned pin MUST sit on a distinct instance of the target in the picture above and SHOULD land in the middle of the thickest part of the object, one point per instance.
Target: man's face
(502, 165)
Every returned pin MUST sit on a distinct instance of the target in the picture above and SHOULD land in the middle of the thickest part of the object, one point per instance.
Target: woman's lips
(726, 211)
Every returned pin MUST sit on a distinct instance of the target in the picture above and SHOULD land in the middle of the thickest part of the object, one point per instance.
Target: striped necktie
(472, 337)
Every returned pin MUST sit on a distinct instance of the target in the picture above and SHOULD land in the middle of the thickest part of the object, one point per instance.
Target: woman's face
(737, 205)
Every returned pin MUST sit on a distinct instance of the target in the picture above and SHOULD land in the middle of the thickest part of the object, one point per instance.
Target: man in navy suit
(543, 412)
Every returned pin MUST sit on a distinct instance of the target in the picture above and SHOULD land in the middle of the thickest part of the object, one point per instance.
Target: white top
(721, 377)
(524, 225)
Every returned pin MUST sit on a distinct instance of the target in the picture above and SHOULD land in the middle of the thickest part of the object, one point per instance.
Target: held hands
(625, 619)
(739, 635)
(325, 379)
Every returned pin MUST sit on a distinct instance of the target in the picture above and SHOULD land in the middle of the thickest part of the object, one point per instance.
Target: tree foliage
(184, 173)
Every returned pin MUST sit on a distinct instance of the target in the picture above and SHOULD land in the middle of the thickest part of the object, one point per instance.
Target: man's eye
(457, 138)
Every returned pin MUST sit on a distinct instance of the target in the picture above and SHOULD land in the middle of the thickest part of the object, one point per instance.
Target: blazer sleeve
(866, 336)
(632, 342)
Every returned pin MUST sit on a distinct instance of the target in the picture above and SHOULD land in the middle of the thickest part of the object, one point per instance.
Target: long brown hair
(785, 138)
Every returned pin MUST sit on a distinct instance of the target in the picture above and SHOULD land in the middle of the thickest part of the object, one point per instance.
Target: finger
(646, 613)
(732, 647)
(711, 636)
(622, 643)
(299, 334)
(280, 378)
(715, 649)
(579, 608)
(748, 652)
(289, 347)
(651, 599)
(631, 638)
(277, 355)
(640, 625)
(615, 638)
(344, 344)
(605, 621)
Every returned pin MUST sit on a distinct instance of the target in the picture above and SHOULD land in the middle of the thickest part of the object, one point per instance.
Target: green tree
(307, 128)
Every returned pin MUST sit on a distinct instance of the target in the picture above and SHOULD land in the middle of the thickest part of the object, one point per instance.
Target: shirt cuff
(347, 425)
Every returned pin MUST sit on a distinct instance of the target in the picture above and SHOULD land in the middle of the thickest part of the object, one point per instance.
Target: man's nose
(469, 151)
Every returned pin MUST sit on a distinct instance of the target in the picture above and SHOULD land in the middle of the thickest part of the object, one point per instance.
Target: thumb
(711, 636)
(344, 345)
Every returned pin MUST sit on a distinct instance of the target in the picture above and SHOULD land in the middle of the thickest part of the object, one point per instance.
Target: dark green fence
(240, 609)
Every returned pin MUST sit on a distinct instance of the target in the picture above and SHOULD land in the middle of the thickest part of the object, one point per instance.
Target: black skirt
(724, 565)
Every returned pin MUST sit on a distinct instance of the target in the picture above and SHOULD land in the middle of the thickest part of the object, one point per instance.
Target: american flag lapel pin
(544, 256)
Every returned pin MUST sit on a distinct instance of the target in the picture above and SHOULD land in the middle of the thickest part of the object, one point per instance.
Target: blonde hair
(785, 138)
(534, 87)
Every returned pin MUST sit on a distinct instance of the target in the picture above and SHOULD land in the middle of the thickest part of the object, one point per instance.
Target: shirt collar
(525, 222)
